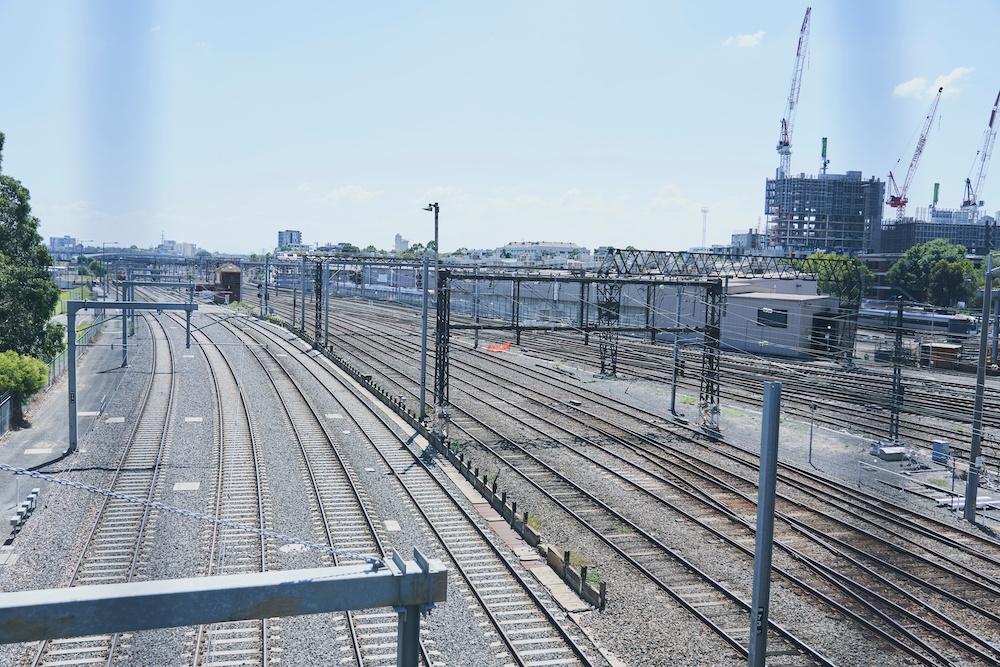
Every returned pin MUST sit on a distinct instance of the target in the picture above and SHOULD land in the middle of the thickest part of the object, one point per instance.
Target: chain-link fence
(56, 368)
(83, 339)
(6, 410)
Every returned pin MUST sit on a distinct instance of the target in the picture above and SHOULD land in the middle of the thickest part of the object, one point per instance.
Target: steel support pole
(996, 333)
(408, 636)
(975, 451)
(677, 333)
(650, 317)
(423, 348)
(125, 328)
(765, 524)
(812, 418)
(71, 367)
(188, 344)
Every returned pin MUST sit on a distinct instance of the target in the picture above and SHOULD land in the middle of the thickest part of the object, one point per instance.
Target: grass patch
(576, 560)
(937, 481)
(688, 400)
(731, 412)
(534, 521)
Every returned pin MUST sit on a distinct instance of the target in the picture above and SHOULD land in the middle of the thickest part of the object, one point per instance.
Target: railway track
(238, 498)
(857, 398)
(524, 624)
(114, 542)
(930, 643)
(344, 520)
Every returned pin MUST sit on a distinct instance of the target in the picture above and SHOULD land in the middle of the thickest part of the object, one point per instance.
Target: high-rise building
(289, 238)
(401, 244)
(839, 213)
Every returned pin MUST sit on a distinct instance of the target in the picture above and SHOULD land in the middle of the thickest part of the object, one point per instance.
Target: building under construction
(954, 225)
(839, 213)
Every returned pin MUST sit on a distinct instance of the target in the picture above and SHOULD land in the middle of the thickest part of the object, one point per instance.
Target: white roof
(771, 296)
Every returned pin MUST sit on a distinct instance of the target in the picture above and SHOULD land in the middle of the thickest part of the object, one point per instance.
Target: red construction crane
(785, 138)
(972, 202)
(897, 197)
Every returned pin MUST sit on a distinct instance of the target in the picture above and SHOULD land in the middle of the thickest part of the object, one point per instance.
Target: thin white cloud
(745, 41)
(670, 199)
(568, 196)
(354, 193)
(305, 187)
(952, 82)
(155, 29)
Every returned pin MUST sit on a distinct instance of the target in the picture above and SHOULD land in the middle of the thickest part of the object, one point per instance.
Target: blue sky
(597, 123)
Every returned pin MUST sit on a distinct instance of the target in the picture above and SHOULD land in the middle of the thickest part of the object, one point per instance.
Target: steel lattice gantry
(318, 296)
(629, 268)
(609, 297)
(442, 335)
(842, 277)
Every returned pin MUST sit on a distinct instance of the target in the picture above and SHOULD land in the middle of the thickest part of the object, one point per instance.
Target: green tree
(96, 267)
(947, 284)
(838, 275)
(371, 249)
(912, 272)
(28, 295)
(21, 376)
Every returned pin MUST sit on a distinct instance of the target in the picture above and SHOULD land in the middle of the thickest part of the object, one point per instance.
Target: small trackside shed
(790, 325)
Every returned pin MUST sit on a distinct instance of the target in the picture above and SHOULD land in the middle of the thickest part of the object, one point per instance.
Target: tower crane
(897, 196)
(972, 202)
(785, 138)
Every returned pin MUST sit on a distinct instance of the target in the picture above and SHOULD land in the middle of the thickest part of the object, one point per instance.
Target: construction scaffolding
(835, 212)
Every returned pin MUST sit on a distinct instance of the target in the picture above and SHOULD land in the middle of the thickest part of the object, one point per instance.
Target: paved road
(46, 437)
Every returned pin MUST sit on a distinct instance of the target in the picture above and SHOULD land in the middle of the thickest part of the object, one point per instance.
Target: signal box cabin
(227, 284)
(780, 324)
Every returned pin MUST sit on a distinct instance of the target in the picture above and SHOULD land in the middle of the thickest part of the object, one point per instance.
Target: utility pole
(764, 541)
(423, 347)
(897, 375)
(704, 227)
(677, 333)
(975, 450)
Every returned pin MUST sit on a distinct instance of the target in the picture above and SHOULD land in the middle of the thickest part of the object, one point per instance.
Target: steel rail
(143, 415)
(418, 504)
(221, 483)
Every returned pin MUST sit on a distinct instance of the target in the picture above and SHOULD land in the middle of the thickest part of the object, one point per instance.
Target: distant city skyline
(595, 123)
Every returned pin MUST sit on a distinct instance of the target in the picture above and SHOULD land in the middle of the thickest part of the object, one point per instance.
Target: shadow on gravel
(38, 468)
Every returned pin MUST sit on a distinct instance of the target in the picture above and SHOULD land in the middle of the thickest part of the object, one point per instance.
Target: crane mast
(788, 121)
(972, 202)
(897, 195)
